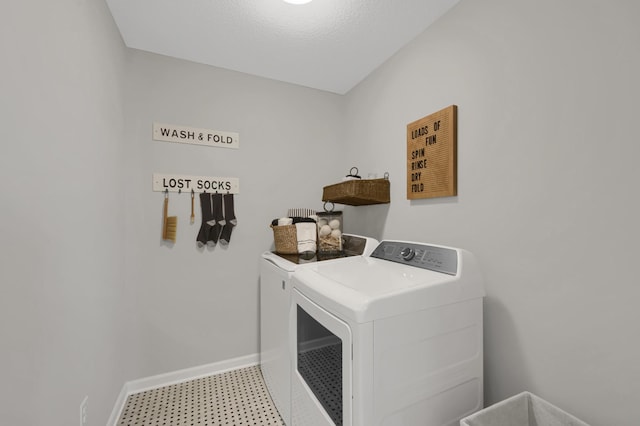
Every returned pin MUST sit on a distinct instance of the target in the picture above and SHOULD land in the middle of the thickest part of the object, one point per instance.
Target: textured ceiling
(329, 45)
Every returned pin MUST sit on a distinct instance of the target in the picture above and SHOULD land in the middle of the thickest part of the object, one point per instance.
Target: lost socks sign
(200, 184)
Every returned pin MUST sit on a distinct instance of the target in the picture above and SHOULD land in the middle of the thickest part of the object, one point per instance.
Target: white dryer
(275, 298)
(393, 339)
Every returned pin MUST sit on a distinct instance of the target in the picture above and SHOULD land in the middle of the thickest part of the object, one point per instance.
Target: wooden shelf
(358, 192)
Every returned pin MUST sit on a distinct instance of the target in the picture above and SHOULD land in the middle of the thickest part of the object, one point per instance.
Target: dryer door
(321, 365)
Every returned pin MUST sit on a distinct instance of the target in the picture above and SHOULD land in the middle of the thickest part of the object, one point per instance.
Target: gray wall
(91, 298)
(198, 306)
(64, 306)
(547, 198)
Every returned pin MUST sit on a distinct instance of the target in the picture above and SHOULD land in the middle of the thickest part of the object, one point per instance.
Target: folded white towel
(285, 221)
(306, 234)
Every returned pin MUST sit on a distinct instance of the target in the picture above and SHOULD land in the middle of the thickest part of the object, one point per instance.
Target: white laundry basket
(524, 409)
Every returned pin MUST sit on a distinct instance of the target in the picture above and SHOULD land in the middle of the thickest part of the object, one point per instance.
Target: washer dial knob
(407, 253)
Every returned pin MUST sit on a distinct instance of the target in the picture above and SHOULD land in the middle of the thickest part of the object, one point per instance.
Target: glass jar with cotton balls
(329, 230)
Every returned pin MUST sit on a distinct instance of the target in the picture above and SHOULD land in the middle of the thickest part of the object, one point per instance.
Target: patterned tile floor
(234, 398)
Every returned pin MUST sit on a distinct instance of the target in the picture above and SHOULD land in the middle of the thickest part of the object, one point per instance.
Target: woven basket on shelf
(358, 192)
(285, 238)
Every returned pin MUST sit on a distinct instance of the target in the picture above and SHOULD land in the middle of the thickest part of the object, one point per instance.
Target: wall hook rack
(176, 183)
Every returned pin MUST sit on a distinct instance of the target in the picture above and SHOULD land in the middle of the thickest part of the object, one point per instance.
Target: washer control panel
(438, 259)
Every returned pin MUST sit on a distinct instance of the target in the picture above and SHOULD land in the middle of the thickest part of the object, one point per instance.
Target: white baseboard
(179, 376)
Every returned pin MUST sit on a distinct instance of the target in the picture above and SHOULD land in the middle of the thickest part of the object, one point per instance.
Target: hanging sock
(207, 217)
(230, 218)
(217, 220)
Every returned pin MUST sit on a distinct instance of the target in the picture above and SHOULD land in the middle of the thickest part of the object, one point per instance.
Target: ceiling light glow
(297, 1)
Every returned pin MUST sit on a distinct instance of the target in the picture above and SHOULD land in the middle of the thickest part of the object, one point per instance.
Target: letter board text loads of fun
(432, 155)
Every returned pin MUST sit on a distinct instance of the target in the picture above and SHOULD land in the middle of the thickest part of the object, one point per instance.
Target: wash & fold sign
(195, 136)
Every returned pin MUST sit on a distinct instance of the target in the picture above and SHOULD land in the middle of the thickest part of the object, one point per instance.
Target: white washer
(391, 339)
(275, 298)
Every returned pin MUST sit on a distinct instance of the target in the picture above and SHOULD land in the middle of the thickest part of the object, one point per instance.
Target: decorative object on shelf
(285, 239)
(353, 174)
(296, 233)
(358, 192)
(432, 155)
(300, 212)
(329, 230)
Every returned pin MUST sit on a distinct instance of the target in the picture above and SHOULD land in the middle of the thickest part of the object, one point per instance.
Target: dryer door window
(323, 356)
(320, 363)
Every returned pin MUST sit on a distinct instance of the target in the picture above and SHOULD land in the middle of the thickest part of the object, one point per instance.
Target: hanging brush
(169, 224)
(193, 216)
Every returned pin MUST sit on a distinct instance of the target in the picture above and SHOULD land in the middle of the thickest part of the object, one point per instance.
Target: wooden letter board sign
(432, 155)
